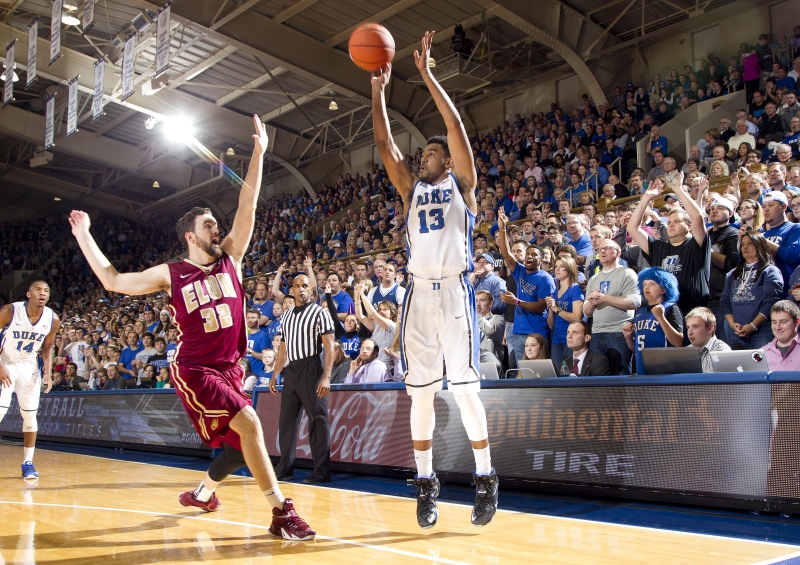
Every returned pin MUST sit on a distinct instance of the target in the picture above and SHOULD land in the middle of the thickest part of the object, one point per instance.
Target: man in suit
(584, 362)
(492, 327)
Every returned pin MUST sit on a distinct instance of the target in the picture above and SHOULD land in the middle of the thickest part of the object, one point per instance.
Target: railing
(618, 161)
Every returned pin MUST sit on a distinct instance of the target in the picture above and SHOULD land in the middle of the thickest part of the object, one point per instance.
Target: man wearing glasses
(612, 296)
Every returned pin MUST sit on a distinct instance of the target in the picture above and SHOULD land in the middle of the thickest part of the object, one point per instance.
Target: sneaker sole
(290, 537)
(198, 507)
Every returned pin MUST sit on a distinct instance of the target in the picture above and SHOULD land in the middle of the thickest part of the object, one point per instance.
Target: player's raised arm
(393, 160)
(457, 140)
(152, 280)
(238, 240)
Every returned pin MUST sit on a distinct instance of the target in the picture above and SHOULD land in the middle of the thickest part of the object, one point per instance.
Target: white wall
(784, 17)
(677, 50)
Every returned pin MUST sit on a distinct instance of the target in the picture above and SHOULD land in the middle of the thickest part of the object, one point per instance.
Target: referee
(306, 328)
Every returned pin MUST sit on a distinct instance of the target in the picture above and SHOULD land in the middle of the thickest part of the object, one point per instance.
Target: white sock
(274, 497)
(424, 461)
(206, 489)
(483, 461)
(27, 454)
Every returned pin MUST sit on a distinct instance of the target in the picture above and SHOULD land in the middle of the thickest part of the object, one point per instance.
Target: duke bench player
(27, 328)
(439, 314)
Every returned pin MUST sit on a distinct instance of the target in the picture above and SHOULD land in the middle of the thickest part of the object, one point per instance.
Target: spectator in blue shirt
(783, 237)
(596, 183)
(656, 140)
(750, 291)
(344, 304)
(504, 201)
(611, 152)
(578, 238)
(128, 354)
(533, 288)
(484, 278)
(783, 79)
(257, 341)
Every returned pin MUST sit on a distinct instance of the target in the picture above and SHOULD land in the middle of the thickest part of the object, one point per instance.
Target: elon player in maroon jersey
(208, 310)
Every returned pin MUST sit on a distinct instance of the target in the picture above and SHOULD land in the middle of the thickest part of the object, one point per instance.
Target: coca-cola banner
(702, 439)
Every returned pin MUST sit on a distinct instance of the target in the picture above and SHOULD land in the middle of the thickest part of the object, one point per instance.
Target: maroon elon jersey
(208, 310)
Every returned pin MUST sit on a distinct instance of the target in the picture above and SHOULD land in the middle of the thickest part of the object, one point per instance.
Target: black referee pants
(300, 380)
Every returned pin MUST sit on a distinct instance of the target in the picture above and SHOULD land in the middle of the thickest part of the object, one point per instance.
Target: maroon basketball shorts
(212, 398)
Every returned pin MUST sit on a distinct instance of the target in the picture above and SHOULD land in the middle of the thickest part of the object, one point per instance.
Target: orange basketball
(371, 47)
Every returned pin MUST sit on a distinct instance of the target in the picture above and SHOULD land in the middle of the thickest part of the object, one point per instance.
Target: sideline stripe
(243, 524)
(545, 516)
(788, 559)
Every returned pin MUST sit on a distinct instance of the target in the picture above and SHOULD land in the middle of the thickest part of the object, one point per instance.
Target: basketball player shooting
(439, 313)
(26, 328)
(208, 309)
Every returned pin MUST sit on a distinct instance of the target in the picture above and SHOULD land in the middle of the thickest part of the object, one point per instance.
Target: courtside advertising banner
(8, 87)
(99, 85)
(127, 66)
(162, 40)
(708, 439)
(126, 420)
(55, 31)
(33, 36)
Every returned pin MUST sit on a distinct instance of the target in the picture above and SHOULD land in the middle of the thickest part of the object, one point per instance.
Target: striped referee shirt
(302, 328)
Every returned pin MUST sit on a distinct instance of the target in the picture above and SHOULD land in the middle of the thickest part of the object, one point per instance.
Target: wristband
(517, 302)
(755, 327)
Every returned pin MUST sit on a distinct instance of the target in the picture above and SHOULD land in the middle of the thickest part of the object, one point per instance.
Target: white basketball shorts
(26, 383)
(440, 322)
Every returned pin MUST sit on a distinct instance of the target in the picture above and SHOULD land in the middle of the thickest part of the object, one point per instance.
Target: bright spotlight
(69, 20)
(179, 128)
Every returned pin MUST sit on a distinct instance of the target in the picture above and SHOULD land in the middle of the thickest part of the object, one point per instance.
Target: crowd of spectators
(554, 277)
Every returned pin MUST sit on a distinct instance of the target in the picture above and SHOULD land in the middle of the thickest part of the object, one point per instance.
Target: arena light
(3, 75)
(69, 19)
(178, 128)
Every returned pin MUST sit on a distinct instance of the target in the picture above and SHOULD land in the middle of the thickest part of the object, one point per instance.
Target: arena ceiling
(284, 60)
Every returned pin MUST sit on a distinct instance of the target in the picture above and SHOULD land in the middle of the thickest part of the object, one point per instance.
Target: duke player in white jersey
(439, 313)
(27, 328)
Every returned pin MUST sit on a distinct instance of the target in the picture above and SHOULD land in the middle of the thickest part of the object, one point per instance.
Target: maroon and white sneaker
(288, 525)
(189, 499)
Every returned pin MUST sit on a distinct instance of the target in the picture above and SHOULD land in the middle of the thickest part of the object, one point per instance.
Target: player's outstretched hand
(260, 136)
(80, 222)
(381, 78)
(421, 57)
(48, 383)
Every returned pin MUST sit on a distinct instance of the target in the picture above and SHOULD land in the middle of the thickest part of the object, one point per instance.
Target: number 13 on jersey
(436, 214)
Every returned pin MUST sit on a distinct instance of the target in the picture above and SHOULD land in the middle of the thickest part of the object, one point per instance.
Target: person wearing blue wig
(658, 322)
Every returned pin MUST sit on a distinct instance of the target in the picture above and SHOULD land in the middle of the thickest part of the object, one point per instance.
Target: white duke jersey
(439, 230)
(21, 340)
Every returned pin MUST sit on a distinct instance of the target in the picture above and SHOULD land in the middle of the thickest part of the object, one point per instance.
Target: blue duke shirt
(532, 287)
(787, 237)
(258, 342)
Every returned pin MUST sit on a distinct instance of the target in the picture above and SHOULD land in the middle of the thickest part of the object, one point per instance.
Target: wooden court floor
(87, 510)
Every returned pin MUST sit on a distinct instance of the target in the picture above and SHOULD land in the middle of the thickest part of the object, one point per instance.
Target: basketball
(371, 47)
